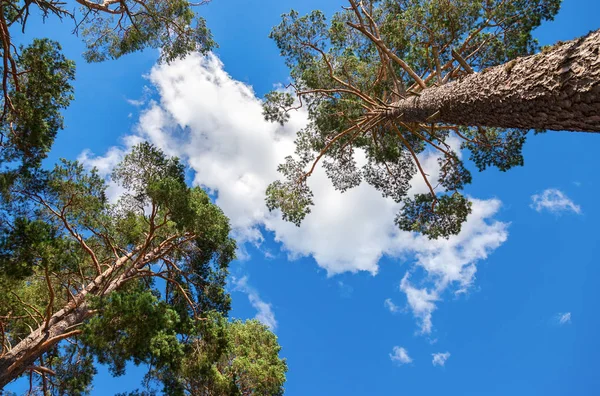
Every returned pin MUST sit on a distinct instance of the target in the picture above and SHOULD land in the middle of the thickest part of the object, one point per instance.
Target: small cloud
(264, 310)
(554, 201)
(439, 359)
(345, 289)
(563, 318)
(146, 94)
(422, 303)
(393, 308)
(136, 103)
(269, 255)
(400, 355)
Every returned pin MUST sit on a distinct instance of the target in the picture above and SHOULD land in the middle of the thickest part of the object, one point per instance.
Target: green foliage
(157, 308)
(158, 181)
(275, 102)
(218, 357)
(145, 166)
(499, 148)
(148, 272)
(349, 71)
(443, 219)
(253, 359)
(32, 104)
(36, 80)
(33, 245)
(229, 358)
(74, 370)
(45, 89)
(169, 25)
(80, 193)
(293, 196)
(133, 324)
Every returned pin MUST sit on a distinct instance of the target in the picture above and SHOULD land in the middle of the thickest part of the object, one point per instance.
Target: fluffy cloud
(439, 359)
(400, 355)
(554, 201)
(215, 124)
(264, 310)
(563, 318)
(389, 304)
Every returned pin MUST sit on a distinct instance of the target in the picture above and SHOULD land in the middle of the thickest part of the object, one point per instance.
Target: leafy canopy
(37, 79)
(141, 279)
(350, 71)
(149, 271)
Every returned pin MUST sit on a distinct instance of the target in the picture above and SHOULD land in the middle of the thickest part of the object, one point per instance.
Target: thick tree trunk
(557, 89)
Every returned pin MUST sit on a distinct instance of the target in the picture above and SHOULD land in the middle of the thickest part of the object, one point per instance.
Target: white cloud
(264, 310)
(554, 201)
(400, 355)
(452, 263)
(439, 359)
(135, 102)
(389, 304)
(563, 318)
(422, 303)
(105, 164)
(215, 123)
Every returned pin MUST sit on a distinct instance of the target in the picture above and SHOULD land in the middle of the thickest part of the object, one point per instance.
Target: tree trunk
(25, 353)
(557, 89)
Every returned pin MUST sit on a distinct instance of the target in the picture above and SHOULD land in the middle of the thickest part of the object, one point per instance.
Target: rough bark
(24, 354)
(556, 89)
(62, 323)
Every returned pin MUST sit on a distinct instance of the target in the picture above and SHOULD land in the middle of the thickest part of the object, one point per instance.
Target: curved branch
(418, 163)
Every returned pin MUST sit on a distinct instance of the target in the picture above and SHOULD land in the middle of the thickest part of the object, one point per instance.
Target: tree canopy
(383, 82)
(140, 280)
(83, 279)
(37, 78)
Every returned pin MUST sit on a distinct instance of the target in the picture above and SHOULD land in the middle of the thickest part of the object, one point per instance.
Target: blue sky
(509, 307)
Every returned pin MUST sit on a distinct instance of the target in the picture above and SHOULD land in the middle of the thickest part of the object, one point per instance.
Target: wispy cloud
(400, 355)
(345, 289)
(389, 304)
(563, 318)
(554, 201)
(135, 102)
(264, 310)
(422, 303)
(451, 264)
(439, 359)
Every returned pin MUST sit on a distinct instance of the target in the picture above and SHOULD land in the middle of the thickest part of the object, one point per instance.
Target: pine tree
(141, 280)
(404, 78)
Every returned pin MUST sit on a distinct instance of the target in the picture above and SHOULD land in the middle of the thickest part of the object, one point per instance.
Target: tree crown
(350, 73)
